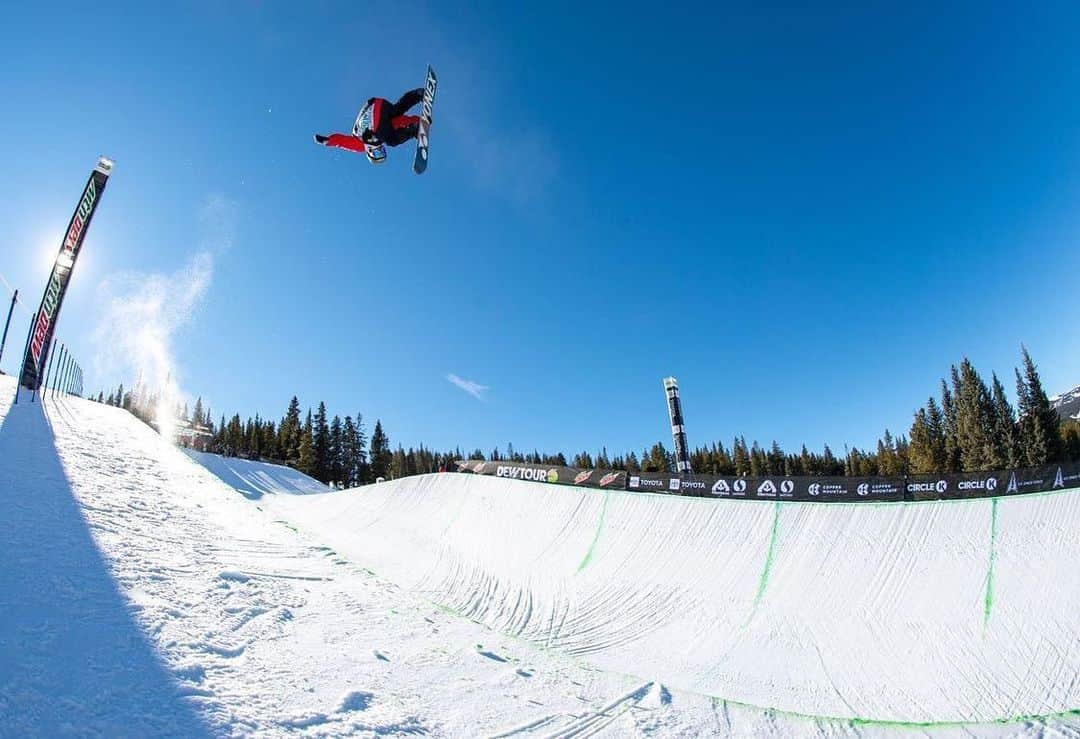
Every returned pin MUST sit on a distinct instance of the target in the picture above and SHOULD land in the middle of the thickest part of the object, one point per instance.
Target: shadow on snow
(73, 660)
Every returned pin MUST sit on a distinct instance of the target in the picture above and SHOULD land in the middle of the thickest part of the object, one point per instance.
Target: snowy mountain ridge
(1067, 404)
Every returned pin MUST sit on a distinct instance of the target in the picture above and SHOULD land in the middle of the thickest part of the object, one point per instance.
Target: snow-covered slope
(963, 611)
(255, 479)
(141, 596)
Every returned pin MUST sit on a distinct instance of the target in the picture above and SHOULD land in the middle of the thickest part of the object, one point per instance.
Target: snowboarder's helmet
(375, 154)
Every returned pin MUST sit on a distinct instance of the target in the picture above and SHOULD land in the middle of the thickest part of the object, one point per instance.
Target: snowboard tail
(421, 161)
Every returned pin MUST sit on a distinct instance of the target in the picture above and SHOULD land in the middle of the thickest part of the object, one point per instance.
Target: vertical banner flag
(44, 321)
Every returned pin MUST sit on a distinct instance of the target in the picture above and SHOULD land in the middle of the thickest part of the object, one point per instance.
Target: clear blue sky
(805, 216)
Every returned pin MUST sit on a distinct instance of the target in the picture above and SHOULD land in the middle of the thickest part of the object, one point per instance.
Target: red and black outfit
(388, 123)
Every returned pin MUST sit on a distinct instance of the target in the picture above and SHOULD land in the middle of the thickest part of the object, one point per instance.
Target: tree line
(336, 451)
(970, 426)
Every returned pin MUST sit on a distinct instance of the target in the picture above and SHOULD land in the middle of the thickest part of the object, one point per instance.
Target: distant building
(194, 436)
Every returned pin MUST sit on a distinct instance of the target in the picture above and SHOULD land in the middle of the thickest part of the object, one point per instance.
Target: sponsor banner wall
(821, 489)
(547, 473)
(809, 489)
(994, 483)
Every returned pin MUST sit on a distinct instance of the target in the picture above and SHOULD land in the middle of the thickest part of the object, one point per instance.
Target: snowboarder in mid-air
(380, 123)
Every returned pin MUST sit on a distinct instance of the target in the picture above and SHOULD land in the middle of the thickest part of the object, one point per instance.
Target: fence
(810, 489)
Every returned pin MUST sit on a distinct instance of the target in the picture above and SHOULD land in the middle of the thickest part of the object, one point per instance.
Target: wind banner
(44, 322)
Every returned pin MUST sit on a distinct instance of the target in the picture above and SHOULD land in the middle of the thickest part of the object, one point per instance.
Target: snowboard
(421, 160)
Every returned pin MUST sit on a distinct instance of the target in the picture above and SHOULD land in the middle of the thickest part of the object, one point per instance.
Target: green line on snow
(596, 537)
(988, 604)
(767, 569)
(1063, 715)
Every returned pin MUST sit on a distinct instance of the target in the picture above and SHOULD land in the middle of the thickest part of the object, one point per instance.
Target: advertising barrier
(807, 489)
(547, 473)
(44, 322)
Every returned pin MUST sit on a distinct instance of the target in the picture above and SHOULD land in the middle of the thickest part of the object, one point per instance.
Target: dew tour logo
(527, 473)
(61, 271)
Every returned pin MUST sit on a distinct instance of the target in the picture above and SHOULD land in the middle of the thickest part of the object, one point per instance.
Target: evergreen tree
(349, 454)
(380, 456)
(1006, 447)
(336, 464)
(742, 457)
(1040, 436)
(289, 432)
(948, 425)
(757, 460)
(974, 419)
(306, 454)
(320, 443)
(922, 445)
(632, 464)
(583, 461)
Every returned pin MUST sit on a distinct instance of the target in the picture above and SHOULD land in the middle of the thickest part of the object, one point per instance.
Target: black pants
(396, 135)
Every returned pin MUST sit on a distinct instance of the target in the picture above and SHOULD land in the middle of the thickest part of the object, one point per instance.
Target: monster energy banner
(547, 473)
(44, 322)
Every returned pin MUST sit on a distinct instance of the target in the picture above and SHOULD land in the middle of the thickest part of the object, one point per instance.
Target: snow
(141, 596)
(255, 479)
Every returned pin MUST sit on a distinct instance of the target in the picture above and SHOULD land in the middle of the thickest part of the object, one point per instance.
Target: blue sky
(805, 216)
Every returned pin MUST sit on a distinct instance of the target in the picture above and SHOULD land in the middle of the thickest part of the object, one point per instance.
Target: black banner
(547, 473)
(807, 489)
(43, 324)
(994, 483)
(819, 489)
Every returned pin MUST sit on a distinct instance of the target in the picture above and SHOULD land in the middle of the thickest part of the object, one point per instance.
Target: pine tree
(306, 453)
(337, 448)
(974, 419)
(923, 460)
(289, 434)
(1040, 437)
(583, 461)
(320, 444)
(380, 456)
(757, 460)
(349, 454)
(742, 457)
(948, 417)
(1006, 443)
